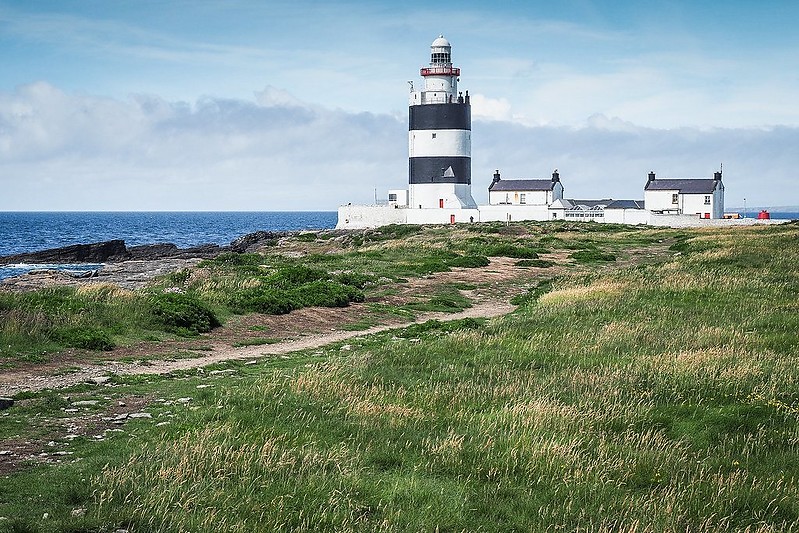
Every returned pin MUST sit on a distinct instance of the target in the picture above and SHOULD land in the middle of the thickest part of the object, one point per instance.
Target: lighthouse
(440, 137)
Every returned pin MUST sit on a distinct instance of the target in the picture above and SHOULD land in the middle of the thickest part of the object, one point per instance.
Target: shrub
(355, 279)
(324, 294)
(86, 337)
(291, 276)
(266, 300)
(183, 314)
(539, 263)
(592, 256)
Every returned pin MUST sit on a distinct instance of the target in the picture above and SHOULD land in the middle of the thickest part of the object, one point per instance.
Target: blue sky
(255, 105)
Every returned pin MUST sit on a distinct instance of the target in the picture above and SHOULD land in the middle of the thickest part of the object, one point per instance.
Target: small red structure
(763, 215)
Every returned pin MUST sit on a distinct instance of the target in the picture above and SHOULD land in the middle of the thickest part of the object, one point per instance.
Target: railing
(447, 71)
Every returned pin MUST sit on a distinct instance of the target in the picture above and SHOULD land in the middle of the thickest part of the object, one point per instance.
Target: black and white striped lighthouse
(440, 137)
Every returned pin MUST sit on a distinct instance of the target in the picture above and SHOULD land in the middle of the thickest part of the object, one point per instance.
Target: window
(434, 136)
(674, 198)
(707, 200)
(392, 197)
(522, 198)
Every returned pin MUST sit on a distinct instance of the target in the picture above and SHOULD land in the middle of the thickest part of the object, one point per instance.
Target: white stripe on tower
(434, 143)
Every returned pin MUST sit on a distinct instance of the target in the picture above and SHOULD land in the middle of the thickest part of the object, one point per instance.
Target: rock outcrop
(98, 252)
(112, 252)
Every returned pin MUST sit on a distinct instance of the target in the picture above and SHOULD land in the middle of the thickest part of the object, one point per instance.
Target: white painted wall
(627, 216)
(369, 216)
(687, 204)
(504, 213)
(441, 216)
(515, 197)
(428, 196)
(661, 200)
(401, 196)
(434, 143)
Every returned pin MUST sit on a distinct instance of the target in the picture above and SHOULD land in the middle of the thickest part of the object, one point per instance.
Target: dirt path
(30, 380)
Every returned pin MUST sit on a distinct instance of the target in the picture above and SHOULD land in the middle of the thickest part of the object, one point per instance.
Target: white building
(525, 191)
(440, 181)
(700, 197)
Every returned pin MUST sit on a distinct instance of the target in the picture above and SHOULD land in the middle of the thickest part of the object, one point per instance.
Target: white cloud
(69, 151)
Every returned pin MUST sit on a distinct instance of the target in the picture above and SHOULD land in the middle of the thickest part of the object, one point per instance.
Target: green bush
(291, 276)
(85, 337)
(592, 256)
(355, 279)
(540, 263)
(182, 313)
(324, 294)
(266, 300)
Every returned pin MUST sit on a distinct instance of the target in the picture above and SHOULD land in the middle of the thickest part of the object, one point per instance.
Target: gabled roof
(625, 204)
(522, 185)
(589, 204)
(685, 186)
(561, 203)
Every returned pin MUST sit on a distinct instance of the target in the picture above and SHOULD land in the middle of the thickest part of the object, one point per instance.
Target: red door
(441, 203)
(452, 219)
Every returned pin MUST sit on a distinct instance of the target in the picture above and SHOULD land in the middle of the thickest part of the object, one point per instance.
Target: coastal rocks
(252, 241)
(98, 252)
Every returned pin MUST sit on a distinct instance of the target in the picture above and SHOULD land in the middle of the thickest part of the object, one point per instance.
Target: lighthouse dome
(441, 42)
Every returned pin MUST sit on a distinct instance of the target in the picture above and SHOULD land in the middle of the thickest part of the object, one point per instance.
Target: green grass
(657, 397)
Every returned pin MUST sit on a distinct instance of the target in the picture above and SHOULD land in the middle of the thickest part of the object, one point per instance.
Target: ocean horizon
(31, 231)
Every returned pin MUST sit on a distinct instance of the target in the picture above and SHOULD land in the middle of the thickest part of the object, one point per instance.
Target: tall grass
(654, 398)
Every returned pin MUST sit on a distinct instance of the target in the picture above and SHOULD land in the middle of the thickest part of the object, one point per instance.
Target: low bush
(85, 337)
(182, 314)
(539, 263)
(592, 256)
(291, 276)
(262, 299)
(355, 279)
(324, 294)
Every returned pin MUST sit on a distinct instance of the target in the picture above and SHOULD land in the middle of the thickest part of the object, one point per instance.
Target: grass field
(650, 396)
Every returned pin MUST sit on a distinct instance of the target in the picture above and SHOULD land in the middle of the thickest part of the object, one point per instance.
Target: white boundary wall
(372, 216)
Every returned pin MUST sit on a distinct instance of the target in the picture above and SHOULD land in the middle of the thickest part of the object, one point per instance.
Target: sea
(22, 232)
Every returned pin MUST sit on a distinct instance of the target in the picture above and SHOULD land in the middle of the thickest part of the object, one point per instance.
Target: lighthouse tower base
(441, 196)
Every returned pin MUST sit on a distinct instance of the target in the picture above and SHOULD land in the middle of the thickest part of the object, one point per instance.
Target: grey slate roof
(625, 204)
(686, 186)
(522, 185)
(590, 203)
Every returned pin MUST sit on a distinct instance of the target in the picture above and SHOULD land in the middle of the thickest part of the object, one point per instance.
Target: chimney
(651, 175)
(496, 176)
(555, 176)
(717, 176)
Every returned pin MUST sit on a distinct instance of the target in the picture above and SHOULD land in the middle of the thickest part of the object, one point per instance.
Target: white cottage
(538, 192)
(703, 197)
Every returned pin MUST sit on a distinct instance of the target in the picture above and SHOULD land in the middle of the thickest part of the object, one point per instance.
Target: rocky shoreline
(130, 267)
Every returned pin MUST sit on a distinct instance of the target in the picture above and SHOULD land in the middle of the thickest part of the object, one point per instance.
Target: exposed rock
(99, 380)
(6, 403)
(99, 252)
(253, 241)
(85, 403)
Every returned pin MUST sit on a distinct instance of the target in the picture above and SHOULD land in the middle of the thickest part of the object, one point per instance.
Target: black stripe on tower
(440, 117)
(432, 169)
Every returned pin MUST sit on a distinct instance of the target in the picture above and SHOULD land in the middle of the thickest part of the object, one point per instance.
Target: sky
(254, 105)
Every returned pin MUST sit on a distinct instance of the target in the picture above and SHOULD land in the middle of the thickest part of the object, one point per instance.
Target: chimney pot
(651, 176)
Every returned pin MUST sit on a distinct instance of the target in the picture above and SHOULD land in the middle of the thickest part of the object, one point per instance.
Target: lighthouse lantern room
(439, 137)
